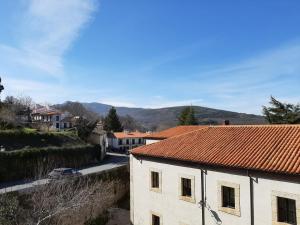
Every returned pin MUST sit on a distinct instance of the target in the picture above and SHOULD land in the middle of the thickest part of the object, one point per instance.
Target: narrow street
(112, 160)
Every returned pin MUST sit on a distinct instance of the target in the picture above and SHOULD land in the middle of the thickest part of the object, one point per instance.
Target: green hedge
(26, 138)
(37, 162)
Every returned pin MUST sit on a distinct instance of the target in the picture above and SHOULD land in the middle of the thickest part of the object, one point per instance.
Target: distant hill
(158, 119)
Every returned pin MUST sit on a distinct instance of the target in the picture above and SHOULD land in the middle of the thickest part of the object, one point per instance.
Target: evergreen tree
(187, 117)
(1, 87)
(282, 113)
(112, 121)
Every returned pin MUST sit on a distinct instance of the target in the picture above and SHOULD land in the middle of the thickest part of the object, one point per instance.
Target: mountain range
(162, 118)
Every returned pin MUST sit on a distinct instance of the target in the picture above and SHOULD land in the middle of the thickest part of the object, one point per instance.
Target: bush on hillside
(29, 138)
(37, 162)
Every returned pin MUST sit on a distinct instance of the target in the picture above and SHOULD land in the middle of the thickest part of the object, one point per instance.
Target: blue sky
(229, 54)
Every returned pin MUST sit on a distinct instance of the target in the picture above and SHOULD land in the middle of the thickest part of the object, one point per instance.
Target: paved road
(113, 160)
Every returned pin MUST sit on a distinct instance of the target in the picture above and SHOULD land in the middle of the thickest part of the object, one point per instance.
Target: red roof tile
(129, 135)
(174, 131)
(272, 148)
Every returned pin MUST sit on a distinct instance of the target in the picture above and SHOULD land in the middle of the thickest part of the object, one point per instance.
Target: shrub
(18, 139)
(37, 162)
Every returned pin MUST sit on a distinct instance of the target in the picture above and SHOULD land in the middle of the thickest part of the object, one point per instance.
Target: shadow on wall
(214, 214)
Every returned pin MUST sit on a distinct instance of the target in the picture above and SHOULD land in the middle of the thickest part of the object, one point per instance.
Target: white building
(125, 141)
(53, 119)
(230, 175)
(171, 132)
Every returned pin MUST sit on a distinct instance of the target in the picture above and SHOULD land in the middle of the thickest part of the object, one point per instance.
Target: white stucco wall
(151, 141)
(179, 212)
(114, 142)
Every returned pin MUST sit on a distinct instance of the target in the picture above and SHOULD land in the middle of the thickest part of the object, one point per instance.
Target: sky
(230, 55)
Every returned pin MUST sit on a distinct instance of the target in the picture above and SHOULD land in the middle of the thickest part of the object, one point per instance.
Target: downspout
(203, 200)
(251, 199)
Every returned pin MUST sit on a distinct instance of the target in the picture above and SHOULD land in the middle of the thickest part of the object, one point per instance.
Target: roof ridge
(178, 135)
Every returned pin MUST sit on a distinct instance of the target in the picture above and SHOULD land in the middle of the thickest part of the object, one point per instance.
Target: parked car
(61, 173)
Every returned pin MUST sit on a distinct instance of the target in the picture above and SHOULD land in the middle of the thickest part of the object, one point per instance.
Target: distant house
(229, 175)
(126, 140)
(52, 119)
(99, 137)
(171, 132)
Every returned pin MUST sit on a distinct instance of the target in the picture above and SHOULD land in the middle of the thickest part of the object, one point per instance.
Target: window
(228, 197)
(65, 125)
(154, 179)
(57, 118)
(57, 125)
(286, 209)
(186, 188)
(155, 220)
(133, 141)
(140, 141)
(120, 141)
(127, 141)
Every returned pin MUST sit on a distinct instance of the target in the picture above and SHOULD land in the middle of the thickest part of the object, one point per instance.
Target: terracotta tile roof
(120, 135)
(174, 131)
(271, 148)
(46, 111)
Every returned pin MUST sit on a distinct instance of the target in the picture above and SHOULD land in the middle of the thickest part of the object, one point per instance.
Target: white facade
(175, 210)
(125, 143)
(151, 141)
(53, 120)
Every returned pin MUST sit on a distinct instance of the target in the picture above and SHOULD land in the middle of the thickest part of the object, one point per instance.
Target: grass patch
(29, 138)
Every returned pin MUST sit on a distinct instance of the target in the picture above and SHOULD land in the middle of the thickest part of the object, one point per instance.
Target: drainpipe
(202, 197)
(251, 199)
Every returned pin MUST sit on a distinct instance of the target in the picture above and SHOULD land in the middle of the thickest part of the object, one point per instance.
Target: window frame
(287, 202)
(275, 195)
(236, 211)
(227, 200)
(152, 213)
(190, 198)
(159, 188)
(120, 141)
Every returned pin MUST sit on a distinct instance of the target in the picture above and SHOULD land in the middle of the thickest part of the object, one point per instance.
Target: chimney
(226, 122)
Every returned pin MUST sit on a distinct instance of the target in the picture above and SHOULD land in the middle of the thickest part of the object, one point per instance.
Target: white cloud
(46, 30)
(247, 85)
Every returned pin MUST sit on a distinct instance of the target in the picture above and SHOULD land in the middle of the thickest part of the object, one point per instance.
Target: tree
(187, 117)
(78, 109)
(8, 208)
(130, 124)
(56, 202)
(112, 121)
(281, 113)
(1, 86)
(84, 127)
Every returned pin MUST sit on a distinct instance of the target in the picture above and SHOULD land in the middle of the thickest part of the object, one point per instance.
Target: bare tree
(52, 201)
(8, 208)
(57, 202)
